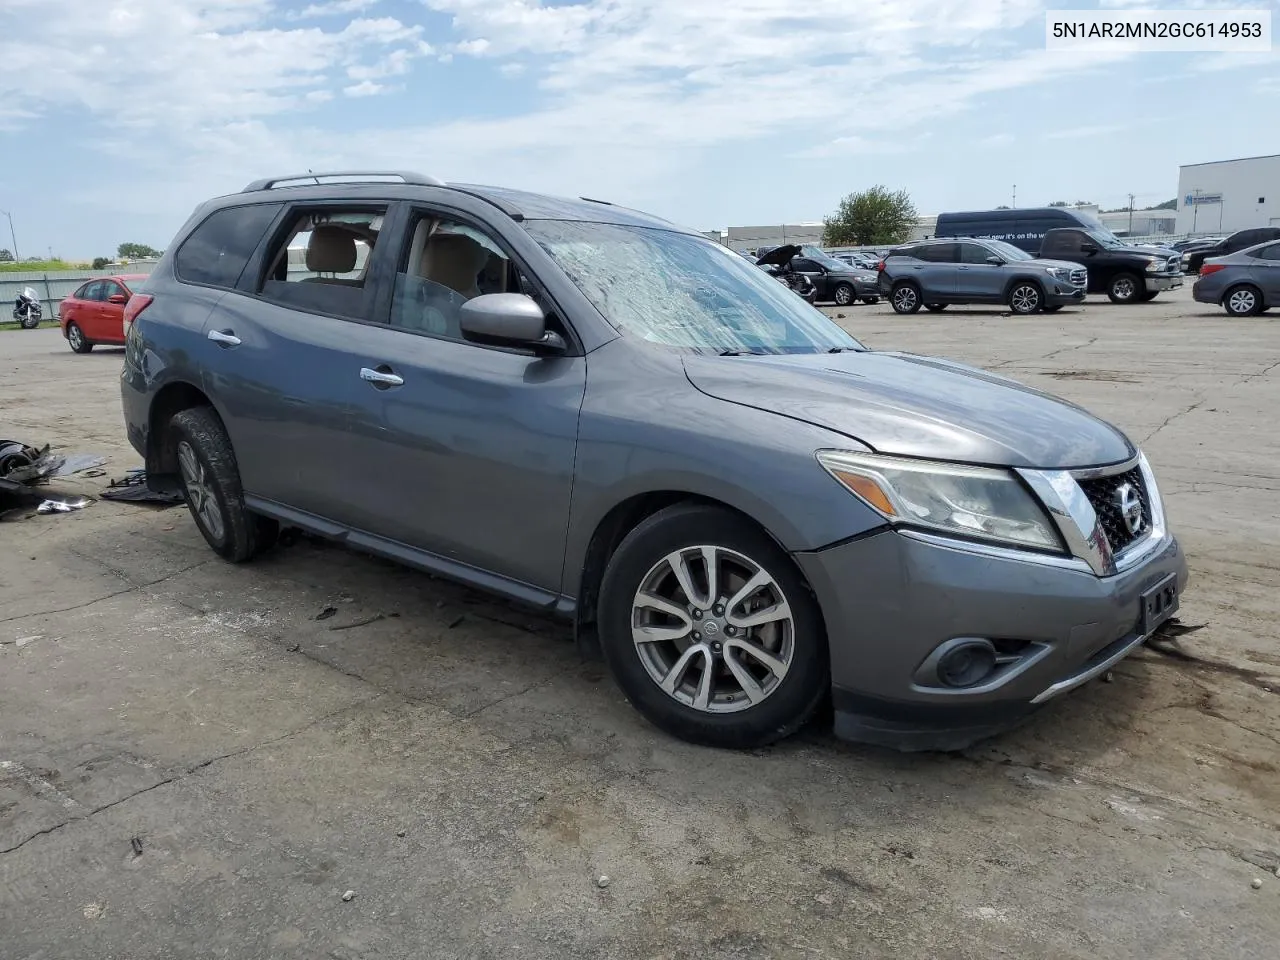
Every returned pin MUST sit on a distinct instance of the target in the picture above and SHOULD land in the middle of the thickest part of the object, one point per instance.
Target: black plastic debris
(132, 488)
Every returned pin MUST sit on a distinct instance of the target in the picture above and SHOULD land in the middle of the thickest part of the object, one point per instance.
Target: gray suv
(620, 422)
(936, 273)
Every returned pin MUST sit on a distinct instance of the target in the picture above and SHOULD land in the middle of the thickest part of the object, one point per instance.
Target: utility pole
(1195, 208)
(1131, 214)
(12, 236)
(1015, 195)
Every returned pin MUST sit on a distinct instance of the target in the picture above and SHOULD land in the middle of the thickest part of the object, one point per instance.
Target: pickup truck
(1125, 274)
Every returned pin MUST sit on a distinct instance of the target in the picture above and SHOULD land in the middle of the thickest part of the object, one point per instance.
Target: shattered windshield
(681, 290)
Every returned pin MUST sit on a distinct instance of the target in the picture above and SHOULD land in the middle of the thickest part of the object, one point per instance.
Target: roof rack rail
(414, 179)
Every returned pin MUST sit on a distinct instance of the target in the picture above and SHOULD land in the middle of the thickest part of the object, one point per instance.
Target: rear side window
(217, 251)
(938, 253)
(1269, 253)
(321, 262)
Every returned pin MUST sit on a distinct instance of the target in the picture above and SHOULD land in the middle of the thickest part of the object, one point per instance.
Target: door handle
(381, 378)
(224, 339)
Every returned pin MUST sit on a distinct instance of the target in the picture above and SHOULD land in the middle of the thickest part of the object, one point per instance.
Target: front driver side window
(974, 253)
(447, 263)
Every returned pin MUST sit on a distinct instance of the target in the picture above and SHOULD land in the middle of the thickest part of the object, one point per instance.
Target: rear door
(1265, 270)
(279, 357)
(938, 271)
(975, 278)
(109, 325)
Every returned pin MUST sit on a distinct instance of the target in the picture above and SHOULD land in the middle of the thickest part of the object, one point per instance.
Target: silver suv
(936, 273)
(624, 424)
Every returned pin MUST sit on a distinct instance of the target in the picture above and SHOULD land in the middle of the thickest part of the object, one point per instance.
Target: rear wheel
(211, 485)
(905, 297)
(77, 340)
(1025, 297)
(844, 294)
(935, 307)
(710, 630)
(1243, 300)
(30, 321)
(1124, 288)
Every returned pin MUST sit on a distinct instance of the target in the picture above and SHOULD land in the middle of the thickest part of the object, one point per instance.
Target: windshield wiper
(841, 350)
(740, 353)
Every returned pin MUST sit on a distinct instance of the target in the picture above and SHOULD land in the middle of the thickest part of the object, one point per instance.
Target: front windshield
(684, 291)
(823, 258)
(1008, 250)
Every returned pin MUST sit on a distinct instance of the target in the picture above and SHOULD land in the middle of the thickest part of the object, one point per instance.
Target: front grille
(1105, 495)
(1079, 277)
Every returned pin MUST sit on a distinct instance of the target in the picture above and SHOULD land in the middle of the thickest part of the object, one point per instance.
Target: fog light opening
(967, 664)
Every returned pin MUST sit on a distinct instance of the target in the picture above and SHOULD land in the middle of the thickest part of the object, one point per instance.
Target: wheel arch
(171, 399)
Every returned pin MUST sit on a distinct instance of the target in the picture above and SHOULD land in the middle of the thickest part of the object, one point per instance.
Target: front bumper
(889, 600)
(1159, 284)
(1062, 294)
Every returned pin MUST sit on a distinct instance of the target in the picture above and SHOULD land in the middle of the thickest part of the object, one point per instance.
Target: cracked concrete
(471, 779)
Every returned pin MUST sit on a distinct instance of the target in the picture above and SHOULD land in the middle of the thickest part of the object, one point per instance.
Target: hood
(1044, 262)
(1163, 252)
(779, 256)
(914, 406)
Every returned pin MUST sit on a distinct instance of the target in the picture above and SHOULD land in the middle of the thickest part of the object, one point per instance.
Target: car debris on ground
(24, 467)
(132, 488)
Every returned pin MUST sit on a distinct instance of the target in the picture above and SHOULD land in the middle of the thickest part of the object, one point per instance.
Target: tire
(1025, 297)
(844, 294)
(729, 716)
(1052, 309)
(1242, 300)
(870, 301)
(1124, 288)
(211, 486)
(905, 297)
(935, 307)
(76, 339)
(29, 323)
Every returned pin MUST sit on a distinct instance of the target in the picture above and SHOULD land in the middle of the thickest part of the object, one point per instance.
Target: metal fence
(54, 285)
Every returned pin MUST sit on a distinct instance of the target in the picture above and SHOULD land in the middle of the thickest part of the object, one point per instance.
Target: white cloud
(365, 88)
(1081, 133)
(331, 8)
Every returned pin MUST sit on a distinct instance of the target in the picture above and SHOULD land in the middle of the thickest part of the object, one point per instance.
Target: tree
(874, 216)
(100, 262)
(1167, 205)
(1004, 206)
(6, 256)
(136, 251)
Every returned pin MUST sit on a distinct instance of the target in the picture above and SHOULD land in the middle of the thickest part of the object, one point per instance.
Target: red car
(95, 313)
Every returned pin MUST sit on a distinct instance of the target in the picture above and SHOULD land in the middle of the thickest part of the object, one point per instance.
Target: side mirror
(508, 320)
(1089, 248)
(117, 298)
(995, 261)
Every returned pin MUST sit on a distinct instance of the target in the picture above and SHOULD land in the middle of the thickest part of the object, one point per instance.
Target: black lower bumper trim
(913, 727)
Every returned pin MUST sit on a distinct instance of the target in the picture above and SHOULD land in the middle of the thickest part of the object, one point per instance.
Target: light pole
(12, 236)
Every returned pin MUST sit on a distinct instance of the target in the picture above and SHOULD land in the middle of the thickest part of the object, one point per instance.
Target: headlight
(1154, 264)
(866, 278)
(981, 502)
(1055, 272)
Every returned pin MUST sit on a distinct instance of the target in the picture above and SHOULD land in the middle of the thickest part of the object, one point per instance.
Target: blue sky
(118, 116)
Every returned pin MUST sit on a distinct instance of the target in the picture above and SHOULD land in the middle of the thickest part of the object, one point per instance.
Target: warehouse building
(1229, 195)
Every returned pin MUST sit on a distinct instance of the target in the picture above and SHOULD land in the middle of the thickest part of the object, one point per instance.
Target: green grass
(13, 325)
(40, 266)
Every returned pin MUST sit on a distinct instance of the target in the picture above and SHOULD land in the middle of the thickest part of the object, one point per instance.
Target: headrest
(331, 250)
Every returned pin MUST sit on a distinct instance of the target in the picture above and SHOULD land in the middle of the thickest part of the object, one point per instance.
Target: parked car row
(835, 280)
(1244, 283)
(1193, 258)
(95, 313)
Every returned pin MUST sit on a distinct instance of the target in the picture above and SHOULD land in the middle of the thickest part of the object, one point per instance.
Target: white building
(746, 239)
(1229, 195)
(1140, 223)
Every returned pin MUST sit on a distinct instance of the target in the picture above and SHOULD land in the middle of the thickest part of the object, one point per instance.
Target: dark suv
(1194, 259)
(935, 273)
(623, 423)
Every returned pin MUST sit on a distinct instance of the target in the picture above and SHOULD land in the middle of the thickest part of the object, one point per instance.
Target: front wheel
(1244, 300)
(1124, 288)
(711, 631)
(1025, 297)
(30, 321)
(905, 298)
(78, 342)
(844, 295)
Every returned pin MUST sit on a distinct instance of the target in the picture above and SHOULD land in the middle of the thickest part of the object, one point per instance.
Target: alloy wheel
(1025, 299)
(713, 629)
(1124, 288)
(75, 337)
(199, 491)
(904, 298)
(844, 296)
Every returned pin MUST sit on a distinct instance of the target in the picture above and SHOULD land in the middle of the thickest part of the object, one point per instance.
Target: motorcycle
(27, 310)
(777, 263)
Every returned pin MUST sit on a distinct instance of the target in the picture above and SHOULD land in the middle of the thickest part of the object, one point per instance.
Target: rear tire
(1243, 300)
(29, 323)
(721, 694)
(211, 486)
(1124, 288)
(935, 307)
(905, 297)
(76, 339)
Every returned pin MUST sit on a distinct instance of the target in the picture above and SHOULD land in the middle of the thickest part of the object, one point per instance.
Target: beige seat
(331, 250)
(454, 261)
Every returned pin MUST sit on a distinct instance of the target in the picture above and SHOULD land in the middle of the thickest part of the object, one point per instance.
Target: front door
(976, 279)
(472, 447)
(1266, 271)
